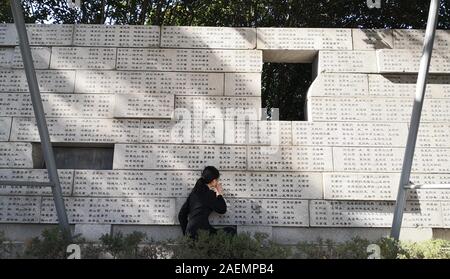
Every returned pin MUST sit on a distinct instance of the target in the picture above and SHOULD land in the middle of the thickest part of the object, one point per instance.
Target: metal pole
(38, 108)
(415, 117)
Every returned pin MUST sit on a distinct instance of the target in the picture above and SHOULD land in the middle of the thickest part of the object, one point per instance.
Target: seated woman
(207, 196)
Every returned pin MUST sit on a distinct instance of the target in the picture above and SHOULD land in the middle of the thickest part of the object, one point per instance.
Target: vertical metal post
(415, 117)
(38, 108)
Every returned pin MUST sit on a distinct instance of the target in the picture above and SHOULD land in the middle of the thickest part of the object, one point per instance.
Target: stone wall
(175, 99)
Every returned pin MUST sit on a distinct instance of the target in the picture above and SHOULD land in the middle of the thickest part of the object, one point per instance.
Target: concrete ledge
(292, 236)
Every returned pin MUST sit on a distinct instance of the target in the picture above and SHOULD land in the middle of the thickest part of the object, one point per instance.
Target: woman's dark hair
(208, 174)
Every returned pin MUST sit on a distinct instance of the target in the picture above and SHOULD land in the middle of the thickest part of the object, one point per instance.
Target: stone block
(78, 130)
(271, 185)
(128, 183)
(243, 84)
(289, 158)
(5, 128)
(381, 186)
(349, 134)
(446, 214)
(300, 45)
(304, 39)
(434, 135)
(413, 39)
(208, 37)
(258, 132)
(116, 35)
(131, 82)
(182, 131)
(112, 210)
(373, 214)
(59, 105)
(404, 86)
(366, 159)
(144, 106)
(189, 60)
(83, 58)
(15, 155)
(360, 186)
(12, 58)
(34, 175)
(12, 81)
(15, 209)
(6, 57)
(179, 157)
(325, 109)
(344, 61)
(428, 178)
(263, 212)
(228, 108)
(408, 61)
(339, 85)
(370, 39)
(38, 34)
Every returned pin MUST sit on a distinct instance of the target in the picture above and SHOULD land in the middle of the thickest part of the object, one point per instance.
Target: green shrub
(390, 248)
(430, 249)
(121, 246)
(92, 251)
(356, 248)
(225, 246)
(51, 245)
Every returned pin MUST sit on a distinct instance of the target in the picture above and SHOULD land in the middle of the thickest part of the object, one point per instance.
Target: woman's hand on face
(219, 189)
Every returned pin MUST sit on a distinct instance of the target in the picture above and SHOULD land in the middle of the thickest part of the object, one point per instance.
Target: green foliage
(356, 248)
(249, 13)
(121, 246)
(430, 249)
(224, 246)
(51, 245)
(284, 86)
(390, 248)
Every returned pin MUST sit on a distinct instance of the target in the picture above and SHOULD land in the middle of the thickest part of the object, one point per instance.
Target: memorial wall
(172, 100)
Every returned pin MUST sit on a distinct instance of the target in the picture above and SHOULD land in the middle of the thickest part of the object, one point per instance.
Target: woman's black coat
(195, 211)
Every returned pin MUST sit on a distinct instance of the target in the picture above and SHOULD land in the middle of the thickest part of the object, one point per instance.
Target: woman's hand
(219, 189)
